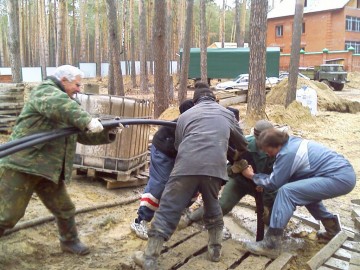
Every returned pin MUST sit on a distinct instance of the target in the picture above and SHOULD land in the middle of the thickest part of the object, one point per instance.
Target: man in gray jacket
(202, 136)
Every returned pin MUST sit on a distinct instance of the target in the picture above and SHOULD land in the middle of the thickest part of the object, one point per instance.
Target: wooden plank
(324, 268)
(281, 262)
(229, 256)
(233, 100)
(181, 235)
(131, 182)
(352, 245)
(334, 263)
(355, 259)
(357, 223)
(254, 263)
(310, 221)
(326, 252)
(343, 254)
(182, 252)
(355, 211)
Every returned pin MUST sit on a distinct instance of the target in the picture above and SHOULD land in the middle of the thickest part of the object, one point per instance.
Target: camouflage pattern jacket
(49, 108)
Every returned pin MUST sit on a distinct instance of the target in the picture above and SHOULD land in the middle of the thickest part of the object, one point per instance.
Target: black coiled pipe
(34, 139)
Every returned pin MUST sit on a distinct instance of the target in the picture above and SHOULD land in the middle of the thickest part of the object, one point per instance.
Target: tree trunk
(132, 45)
(123, 36)
(97, 40)
(257, 65)
(116, 85)
(295, 52)
(83, 32)
(68, 51)
(161, 97)
(186, 52)
(242, 23)
(237, 24)
(222, 25)
(170, 44)
(44, 53)
(143, 47)
(60, 40)
(203, 39)
(180, 27)
(14, 42)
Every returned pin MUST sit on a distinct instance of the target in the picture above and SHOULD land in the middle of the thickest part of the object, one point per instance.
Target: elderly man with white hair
(45, 168)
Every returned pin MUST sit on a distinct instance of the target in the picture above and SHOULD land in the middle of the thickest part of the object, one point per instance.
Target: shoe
(75, 247)
(270, 246)
(332, 228)
(140, 228)
(214, 244)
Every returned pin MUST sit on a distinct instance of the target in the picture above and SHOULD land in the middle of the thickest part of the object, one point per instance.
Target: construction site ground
(105, 215)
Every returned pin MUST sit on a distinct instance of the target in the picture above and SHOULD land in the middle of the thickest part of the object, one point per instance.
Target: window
(303, 28)
(279, 30)
(352, 24)
(354, 44)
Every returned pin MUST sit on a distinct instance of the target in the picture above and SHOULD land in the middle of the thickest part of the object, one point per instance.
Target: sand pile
(170, 113)
(327, 99)
(354, 78)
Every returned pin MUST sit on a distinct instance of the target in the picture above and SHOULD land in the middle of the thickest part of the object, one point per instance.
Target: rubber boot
(332, 228)
(214, 244)
(69, 241)
(270, 246)
(148, 259)
(188, 218)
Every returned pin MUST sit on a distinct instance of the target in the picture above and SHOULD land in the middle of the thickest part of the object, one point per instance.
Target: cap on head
(184, 106)
(260, 126)
(203, 92)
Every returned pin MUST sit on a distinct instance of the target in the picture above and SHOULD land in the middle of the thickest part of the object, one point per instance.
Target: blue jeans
(310, 192)
(160, 168)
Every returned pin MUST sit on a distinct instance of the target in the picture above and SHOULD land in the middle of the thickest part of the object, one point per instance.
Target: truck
(334, 75)
(229, 63)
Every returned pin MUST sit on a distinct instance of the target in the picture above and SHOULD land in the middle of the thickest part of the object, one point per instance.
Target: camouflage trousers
(16, 189)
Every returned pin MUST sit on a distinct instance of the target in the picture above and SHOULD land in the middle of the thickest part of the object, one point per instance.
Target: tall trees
(161, 96)
(60, 37)
(43, 42)
(97, 40)
(203, 41)
(257, 65)
(115, 81)
(237, 23)
(295, 52)
(132, 44)
(222, 25)
(242, 23)
(182, 94)
(83, 31)
(143, 47)
(14, 41)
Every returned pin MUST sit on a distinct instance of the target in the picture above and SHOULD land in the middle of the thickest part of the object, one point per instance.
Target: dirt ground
(106, 228)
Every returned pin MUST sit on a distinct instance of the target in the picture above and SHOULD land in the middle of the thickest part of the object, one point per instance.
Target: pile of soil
(170, 114)
(327, 99)
(354, 78)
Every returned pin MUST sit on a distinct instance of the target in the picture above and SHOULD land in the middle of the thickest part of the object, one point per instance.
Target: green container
(230, 62)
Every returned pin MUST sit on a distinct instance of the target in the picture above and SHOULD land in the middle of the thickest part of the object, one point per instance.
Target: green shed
(230, 62)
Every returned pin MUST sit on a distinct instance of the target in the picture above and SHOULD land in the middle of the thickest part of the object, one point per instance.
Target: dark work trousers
(177, 195)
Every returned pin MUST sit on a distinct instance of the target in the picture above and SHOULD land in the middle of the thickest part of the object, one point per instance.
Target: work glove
(117, 130)
(95, 126)
(239, 166)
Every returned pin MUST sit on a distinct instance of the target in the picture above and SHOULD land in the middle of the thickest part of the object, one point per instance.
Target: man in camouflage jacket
(45, 167)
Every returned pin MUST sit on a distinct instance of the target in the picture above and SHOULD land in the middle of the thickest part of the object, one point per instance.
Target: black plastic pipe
(34, 139)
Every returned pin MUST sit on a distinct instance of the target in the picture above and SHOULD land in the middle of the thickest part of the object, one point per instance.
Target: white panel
(31, 74)
(50, 71)
(89, 69)
(104, 69)
(5, 71)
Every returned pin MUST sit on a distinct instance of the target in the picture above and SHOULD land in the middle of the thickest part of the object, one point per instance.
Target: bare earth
(107, 231)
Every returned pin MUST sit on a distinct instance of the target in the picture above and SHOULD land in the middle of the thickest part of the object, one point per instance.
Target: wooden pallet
(340, 253)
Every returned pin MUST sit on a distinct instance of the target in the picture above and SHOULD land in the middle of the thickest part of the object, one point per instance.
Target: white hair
(68, 72)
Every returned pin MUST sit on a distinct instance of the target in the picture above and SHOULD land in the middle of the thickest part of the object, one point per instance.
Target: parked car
(242, 82)
(284, 75)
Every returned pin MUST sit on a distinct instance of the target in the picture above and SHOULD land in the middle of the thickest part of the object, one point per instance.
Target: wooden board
(334, 263)
(325, 253)
(280, 262)
(351, 245)
(253, 262)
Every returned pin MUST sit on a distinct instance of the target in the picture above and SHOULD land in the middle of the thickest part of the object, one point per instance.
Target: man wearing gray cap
(238, 186)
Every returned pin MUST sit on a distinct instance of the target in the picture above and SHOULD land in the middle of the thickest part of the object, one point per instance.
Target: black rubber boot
(214, 245)
(69, 241)
(187, 219)
(270, 246)
(152, 252)
(332, 228)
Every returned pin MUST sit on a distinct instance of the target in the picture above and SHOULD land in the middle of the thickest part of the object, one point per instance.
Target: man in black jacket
(163, 154)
